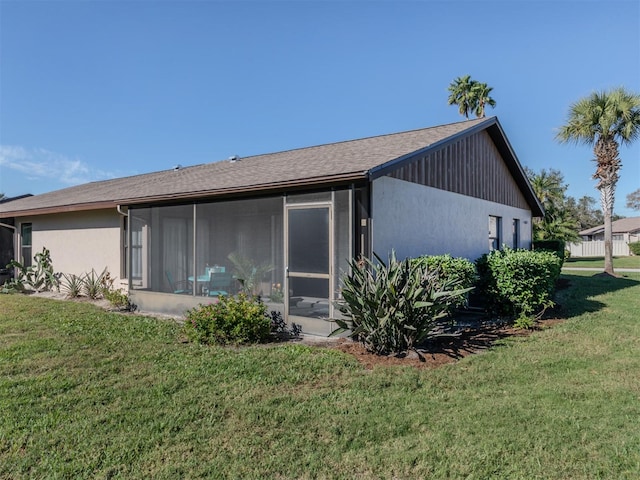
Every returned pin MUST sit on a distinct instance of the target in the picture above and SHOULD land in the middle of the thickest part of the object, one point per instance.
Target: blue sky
(91, 90)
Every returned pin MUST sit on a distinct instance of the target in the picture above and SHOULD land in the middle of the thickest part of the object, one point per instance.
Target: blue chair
(219, 284)
(182, 287)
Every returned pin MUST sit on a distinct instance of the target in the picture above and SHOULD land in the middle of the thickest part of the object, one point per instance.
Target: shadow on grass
(574, 295)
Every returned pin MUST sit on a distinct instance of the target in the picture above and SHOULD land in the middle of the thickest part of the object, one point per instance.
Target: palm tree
(548, 186)
(462, 94)
(470, 96)
(604, 120)
(481, 96)
(557, 223)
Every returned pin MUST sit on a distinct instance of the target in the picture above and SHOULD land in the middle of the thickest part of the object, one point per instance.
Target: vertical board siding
(472, 166)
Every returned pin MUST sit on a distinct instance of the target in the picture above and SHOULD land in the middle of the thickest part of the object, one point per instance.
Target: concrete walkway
(589, 269)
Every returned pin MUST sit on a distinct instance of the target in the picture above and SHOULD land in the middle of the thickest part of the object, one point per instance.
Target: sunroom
(290, 249)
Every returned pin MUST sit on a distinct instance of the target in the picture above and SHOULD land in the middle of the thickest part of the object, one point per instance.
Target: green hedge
(635, 248)
(518, 283)
(456, 272)
(559, 247)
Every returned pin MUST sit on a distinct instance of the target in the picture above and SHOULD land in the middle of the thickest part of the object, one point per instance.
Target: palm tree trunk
(606, 151)
(607, 197)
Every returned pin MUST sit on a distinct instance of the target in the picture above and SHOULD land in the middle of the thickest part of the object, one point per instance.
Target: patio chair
(181, 287)
(219, 284)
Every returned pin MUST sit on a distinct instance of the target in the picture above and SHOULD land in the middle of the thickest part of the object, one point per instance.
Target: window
(495, 225)
(25, 242)
(516, 233)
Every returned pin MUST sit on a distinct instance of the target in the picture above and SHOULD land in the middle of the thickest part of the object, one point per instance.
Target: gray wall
(418, 220)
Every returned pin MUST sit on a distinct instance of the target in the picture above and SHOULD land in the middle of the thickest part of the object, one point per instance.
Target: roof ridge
(404, 132)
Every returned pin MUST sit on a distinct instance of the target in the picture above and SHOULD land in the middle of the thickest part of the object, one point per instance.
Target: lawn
(598, 262)
(90, 394)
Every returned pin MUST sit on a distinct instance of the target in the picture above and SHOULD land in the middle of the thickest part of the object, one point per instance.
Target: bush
(518, 283)
(72, 284)
(456, 272)
(240, 319)
(391, 309)
(39, 276)
(94, 284)
(635, 248)
(559, 247)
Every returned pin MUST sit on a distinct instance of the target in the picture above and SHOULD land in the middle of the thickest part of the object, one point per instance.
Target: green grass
(90, 394)
(598, 262)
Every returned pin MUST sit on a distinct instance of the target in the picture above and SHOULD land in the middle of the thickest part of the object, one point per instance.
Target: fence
(595, 248)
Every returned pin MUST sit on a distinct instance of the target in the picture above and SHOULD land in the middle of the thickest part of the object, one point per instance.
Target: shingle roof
(323, 164)
(624, 225)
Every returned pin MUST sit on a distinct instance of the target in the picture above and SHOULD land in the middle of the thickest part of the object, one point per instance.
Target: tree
(470, 96)
(480, 93)
(557, 223)
(604, 120)
(584, 211)
(633, 200)
(461, 94)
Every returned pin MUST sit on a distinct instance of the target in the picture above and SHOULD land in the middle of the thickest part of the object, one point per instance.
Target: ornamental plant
(241, 319)
(39, 276)
(518, 283)
(394, 307)
(455, 271)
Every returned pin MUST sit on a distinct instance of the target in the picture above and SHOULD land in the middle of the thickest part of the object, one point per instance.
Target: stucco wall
(418, 220)
(79, 241)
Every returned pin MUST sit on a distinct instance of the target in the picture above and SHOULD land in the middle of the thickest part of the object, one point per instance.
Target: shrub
(518, 283)
(456, 272)
(635, 248)
(39, 276)
(72, 284)
(94, 284)
(119, 299)
(240, 319)
(280, 329)
(393, 308)
(559, 247)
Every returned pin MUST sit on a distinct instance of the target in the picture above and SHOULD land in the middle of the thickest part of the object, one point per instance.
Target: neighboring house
(175, 235)
(624, 232)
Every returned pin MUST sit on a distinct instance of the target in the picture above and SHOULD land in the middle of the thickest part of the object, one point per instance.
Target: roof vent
(177, 167)
(234, 158)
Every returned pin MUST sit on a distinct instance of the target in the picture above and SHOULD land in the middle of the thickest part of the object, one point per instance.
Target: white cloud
(40, 164)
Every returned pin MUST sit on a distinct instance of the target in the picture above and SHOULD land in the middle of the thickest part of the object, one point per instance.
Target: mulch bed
(472, 340)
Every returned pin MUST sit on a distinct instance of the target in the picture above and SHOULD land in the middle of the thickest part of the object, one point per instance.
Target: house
(287, 222)
(625, 229)
(623, 232)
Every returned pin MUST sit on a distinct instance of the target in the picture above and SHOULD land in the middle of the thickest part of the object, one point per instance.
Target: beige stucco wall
(417, 220)
(79, 241)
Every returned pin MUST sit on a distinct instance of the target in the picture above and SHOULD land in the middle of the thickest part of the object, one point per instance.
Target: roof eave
(258, 189)
(59, 209)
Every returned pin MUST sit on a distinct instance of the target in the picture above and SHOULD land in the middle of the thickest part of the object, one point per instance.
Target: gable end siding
(472, 166)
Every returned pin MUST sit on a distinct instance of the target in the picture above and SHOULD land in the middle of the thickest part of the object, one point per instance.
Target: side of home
(284, 225)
